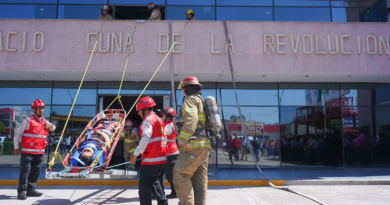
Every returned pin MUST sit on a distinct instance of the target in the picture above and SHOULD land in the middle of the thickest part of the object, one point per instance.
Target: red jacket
(34, 139)
(172, 148)
(236, 143)
(155, 152)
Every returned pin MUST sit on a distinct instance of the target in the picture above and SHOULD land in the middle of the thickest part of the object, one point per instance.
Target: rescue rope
(52, 162)
(124, 71)
(139, 96)
(244, 130)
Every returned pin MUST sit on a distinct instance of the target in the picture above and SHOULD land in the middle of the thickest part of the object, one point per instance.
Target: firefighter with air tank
(195, 123)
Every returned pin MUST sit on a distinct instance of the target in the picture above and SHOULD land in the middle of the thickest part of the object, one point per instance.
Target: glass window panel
(346, 14)
(80, 117)
(191, 2)
(25, 95)
(382, 96)
(355, 97)
(309, 97)
(83, 1)
(130, 88)
(79, 11)
(201, 12)
(64, 93)
(250, 97)
(136, 2)
(302, 14)
(375, 15)
(381, 143)
(244, 3)
(16, 11)
(261, 124)
(29, 1)
(311, 136)
(244, 13)
(360, 3)
(302, 3)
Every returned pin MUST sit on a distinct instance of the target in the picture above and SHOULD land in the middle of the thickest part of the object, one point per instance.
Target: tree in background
(2, 127)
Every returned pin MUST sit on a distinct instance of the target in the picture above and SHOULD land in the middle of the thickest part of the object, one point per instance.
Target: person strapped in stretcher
(97, 139)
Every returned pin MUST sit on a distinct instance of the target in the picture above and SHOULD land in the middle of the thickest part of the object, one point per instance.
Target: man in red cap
(153, 149)
(32, 134)
(190, 172)
(131, 140)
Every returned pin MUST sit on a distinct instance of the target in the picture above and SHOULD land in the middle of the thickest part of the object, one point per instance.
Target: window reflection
(64, 93)
(79, 11)
(262, 128)
(302, 14)
(136, 2)
(29, 1)
(83, 1)
(244, 14)
(25, 95)
(301, 3)
(309, 97)
(250, 97)
(312, 136)
(80, 117)
(381, 144)
(191, 2)
(360, 3)
(244, 3)
(382, 96)
(201, 12)
(15, 11)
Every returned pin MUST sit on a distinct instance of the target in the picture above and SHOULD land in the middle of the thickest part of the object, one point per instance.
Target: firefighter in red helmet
(32, 134)
(156, 13)
(131, 140)
(153, 149)
(190, 179)
(167, 116)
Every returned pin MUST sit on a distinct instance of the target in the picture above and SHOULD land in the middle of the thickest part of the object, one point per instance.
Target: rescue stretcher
(71, 161)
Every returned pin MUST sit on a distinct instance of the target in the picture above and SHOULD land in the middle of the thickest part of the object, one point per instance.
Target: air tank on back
(213, 113)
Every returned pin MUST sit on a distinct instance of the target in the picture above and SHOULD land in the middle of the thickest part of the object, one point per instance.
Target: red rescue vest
(172, 148)
(155, 152)
(34, 139)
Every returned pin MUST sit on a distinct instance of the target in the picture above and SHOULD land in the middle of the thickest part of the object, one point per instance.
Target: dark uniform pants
(30, 168)
(149, 184)
(168, 170)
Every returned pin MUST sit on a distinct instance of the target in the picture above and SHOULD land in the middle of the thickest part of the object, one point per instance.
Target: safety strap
(139, 96)
(243, 126)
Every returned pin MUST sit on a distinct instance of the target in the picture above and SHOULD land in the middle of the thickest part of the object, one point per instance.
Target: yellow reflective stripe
(132, 150)
(199, 144)
(130, 141)
(185, 135)
(202, 117)
(123, 135)
(189, 110)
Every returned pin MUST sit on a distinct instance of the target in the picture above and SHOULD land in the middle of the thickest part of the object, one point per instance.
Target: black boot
(34, 193)
(22, 195)
(172, 195)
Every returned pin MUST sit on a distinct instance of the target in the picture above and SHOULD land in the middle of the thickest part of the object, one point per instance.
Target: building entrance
(135, 12)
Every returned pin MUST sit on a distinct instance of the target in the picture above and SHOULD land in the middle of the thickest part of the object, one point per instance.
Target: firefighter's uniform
(131, 141)
(155, 15)
(190, 172)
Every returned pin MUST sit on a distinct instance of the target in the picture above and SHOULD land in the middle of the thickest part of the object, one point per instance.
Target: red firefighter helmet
(151, 4)
(192, 80)
(128, 123)
(169, 111)
(37, 103)
(145, 102)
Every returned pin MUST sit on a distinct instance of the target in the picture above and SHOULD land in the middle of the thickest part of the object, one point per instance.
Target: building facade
(307, 86)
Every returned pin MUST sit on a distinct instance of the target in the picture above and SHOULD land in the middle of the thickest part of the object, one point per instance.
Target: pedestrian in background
(244, 149)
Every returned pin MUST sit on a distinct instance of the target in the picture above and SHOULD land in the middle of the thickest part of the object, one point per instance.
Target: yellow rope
(124, 71)
(52, 162)
(96, 160)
